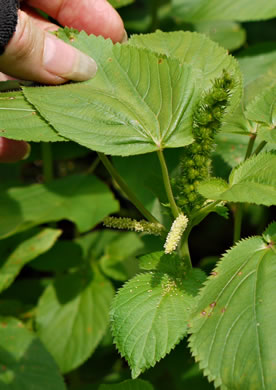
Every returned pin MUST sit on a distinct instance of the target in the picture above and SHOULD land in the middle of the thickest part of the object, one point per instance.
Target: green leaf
(254, 181)
(119, 260)
(258, 65)
(135, 384)
(73, 315)
(232, 328)
(120, 3)
(242, 10)
(139, 102)
(63, 256)
(232, 147)
(23, 252)
(270, 234)
(25, 363)
(194, 49)
(148, 184)
(263, 111)
(20, 120)
(228, 34)
(22, 208)
(213, 188)
(150, 315)
(236, 122)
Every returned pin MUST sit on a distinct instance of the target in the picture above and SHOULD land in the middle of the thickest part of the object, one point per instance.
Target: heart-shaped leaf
(138, 102)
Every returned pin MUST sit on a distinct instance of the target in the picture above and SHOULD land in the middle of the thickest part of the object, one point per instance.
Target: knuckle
(23, 42)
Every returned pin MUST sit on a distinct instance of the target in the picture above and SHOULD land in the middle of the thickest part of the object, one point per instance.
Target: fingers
(13, 151)
(93, 16)
(33, 54)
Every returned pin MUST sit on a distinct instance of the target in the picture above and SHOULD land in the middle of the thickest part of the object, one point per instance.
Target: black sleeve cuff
(8, 21)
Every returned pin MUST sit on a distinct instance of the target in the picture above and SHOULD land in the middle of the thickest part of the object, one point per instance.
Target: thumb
(34, 54)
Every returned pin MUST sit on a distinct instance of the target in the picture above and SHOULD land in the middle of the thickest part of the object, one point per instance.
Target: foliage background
(45, 249)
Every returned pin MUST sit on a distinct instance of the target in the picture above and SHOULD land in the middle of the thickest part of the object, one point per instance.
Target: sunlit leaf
(82, 199)
(232, 329)
(23, 252)
(258, 65)
(228, 34)
(138, 102)
(150, 316)
(263, 111)
(253, 181)
(242, 10)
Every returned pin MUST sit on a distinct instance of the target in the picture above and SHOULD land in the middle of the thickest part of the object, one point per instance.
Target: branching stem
(238, 213)
(184, 249)
(167, 184)
(125, 188)
(260, 147)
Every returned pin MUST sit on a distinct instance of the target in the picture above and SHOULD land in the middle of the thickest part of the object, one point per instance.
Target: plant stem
(184, 249)
(260, 147)
(93, 166)
(167, 184)
(154, 15)
(250, 146)
(125, 188)
(202, 213)
(238, 213)
(47, 160)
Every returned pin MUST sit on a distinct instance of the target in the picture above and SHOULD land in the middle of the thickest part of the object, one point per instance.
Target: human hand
(34, 54)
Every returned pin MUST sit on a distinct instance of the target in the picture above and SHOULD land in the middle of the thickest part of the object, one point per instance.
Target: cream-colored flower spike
(132, 224)
(177, 229)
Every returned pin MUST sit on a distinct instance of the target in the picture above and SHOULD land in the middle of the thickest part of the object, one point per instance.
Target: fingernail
(125, 37)
(65, 61)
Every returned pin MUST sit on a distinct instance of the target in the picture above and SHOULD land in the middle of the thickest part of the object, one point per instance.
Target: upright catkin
(196, 158)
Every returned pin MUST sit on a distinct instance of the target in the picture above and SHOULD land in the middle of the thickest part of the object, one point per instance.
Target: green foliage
(24, 360)
(120, 3)
(136, 384)
(244, 10)
(228, 34)
(69, 286)
(150, 313)
(20, 121)
(263, 111)
(68, 320)
(21, 252)
(253, 181)
(109, 107)
(22, 208)
(232, 332)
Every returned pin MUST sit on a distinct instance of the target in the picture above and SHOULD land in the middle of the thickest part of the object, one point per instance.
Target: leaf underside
(138, 102)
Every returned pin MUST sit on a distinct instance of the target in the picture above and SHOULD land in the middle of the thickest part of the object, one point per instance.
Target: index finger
(93, 16)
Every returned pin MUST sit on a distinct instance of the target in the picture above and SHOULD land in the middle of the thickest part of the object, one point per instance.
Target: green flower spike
(132, 224)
